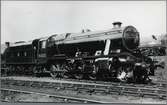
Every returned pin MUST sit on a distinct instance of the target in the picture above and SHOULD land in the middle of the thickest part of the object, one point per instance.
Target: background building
(163, 39)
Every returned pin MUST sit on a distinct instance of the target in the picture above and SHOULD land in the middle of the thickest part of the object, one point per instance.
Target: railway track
(157, 84)
(91, 88)
(63, 99)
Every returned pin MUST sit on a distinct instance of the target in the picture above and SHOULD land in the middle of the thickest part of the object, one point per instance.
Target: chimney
(117, 24)
(7, 44)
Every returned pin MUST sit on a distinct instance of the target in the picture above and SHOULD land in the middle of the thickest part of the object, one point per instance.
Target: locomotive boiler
(92, 55)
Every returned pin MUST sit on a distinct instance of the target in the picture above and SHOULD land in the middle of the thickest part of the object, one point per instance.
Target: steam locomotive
(92, 55)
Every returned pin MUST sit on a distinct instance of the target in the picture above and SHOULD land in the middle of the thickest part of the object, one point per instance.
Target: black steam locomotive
(93, 55)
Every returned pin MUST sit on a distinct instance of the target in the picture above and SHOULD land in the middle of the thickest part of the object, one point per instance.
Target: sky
(27, 20)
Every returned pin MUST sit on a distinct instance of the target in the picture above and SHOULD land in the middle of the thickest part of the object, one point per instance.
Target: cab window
(43, 44)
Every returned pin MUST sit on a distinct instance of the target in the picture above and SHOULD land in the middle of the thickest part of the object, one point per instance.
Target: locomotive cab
(41, 50)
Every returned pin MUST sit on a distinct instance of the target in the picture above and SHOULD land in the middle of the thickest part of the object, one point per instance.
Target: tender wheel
(34, 71)
(30, 70)
(11, 69)
(18, 70)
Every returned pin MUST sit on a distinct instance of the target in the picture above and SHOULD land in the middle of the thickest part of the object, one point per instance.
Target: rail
(64, 98)
(91, 88)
